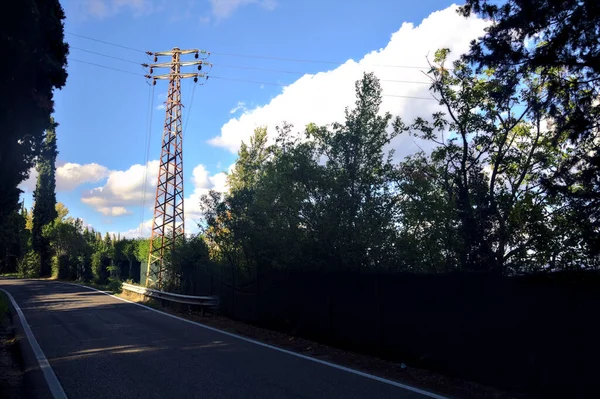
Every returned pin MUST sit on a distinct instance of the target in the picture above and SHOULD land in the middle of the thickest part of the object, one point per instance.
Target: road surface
(101, 347)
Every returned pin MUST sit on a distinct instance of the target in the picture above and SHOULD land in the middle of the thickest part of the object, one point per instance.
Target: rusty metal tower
(168, 221)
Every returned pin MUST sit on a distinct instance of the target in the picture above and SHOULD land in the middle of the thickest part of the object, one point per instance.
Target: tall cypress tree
(44, 209)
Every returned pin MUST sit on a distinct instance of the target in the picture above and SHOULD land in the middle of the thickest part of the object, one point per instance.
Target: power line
(246, 67)
(248, 81)
(264, 57)
(104, 66)
(306, 73)
(105, 42)
(105, 55)
(282, 84)
(147, 154)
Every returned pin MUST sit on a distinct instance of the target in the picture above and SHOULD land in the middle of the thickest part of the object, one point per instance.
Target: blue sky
(103, 113)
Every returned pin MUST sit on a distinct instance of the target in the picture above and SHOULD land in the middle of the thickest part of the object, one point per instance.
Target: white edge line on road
(53, 383)
(312, 359)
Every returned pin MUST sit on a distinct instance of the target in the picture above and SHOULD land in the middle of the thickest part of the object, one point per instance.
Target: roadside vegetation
(478, 257)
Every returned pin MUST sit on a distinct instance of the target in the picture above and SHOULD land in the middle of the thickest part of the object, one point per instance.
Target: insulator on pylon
(200, 67)
(155, 59)
(154, 82)
(196, 79)
(196, 55)
(151, 70)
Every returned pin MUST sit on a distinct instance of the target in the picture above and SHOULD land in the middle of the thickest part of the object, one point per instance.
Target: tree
(558, 41)
(334, 214)
(31, 31)
(13, 240)
(359, 174)
(44, 209)
(492, 165)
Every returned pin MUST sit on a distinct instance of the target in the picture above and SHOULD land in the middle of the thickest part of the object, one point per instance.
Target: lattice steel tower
(168, 221)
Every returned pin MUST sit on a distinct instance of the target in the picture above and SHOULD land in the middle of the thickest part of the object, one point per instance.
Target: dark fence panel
(535, 334)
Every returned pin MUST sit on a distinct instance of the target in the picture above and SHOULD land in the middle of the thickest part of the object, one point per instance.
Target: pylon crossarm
(181, 63)
(176, 50)
(179, 75)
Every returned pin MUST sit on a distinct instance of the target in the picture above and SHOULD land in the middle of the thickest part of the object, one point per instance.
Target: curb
(34, 384)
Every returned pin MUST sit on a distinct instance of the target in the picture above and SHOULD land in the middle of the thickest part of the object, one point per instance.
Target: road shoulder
(418, 378)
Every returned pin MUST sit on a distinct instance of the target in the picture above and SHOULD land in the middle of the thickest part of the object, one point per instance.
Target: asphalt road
(101, 347)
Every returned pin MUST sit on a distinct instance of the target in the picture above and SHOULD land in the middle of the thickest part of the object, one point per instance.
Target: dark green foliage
(29, 265)
(100, 263)
(558, 41)
(31, 35)
(44, 196)
(62, 268)
(13, 241)
(190, 264)
(335, 201)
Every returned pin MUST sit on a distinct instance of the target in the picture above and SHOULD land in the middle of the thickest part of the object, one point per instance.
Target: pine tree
(44, 210)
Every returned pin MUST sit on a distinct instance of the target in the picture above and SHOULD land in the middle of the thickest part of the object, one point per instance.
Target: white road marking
(55, 388)
(312, 359)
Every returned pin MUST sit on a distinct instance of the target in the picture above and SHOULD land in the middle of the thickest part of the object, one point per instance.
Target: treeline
(46, 242)
(74, 252)
(334, 199)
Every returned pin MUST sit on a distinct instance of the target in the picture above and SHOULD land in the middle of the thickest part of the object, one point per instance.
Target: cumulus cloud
(69, 176)
(113, 211)
(224, 8)
(321, 98)
(124, 188)
(28, 185)
(143, 230)
(203, 183)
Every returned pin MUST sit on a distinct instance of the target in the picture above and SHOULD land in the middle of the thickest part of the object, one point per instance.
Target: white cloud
(124, 189)
(321, 98)
(161, 107)
(241, 106)
(113, 211)
(142, 230)
(203, 183)
(69, 176)
(28, 185)
(224, 8)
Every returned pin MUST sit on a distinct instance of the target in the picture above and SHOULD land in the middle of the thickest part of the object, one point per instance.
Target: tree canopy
(31, 34)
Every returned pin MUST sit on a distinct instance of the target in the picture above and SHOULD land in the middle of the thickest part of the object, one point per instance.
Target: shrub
(99, 268)
(29, 266)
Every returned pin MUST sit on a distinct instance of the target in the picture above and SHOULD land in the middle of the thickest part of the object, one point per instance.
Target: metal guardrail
(202, 301)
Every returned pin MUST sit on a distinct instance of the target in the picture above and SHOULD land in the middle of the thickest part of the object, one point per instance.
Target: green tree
(44, 209)
(493, 162)
(331, 215)
(31, 31)
(251, 159)
(558, 41)
(13, 240)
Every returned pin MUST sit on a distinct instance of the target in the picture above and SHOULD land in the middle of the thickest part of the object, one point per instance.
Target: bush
(99, 268)
(29, 266)
(114, 281)
(64, 267)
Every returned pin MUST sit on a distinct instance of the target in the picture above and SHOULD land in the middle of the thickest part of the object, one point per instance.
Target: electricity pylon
(168, 221)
